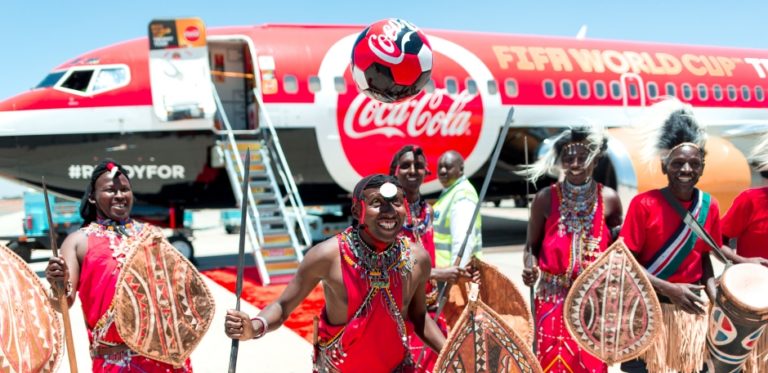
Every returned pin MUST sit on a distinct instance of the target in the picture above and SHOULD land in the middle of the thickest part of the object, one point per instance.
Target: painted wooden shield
(30, 331)
(481, 341)
(162, 306)
(499, 293)
(611, 310)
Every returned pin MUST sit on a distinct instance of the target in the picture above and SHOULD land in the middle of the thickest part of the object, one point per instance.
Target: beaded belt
(552, 286)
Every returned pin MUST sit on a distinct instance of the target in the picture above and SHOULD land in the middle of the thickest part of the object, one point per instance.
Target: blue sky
(39, 35)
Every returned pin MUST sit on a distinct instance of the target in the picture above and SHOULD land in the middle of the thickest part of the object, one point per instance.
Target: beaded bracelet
(264, 326)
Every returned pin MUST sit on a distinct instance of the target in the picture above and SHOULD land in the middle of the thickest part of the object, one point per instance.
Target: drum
(738, 316)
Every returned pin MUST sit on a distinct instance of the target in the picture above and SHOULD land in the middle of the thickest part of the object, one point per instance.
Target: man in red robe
(373, 280)
(676, 260)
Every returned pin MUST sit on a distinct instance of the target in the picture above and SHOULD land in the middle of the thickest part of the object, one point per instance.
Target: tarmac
(281, 351)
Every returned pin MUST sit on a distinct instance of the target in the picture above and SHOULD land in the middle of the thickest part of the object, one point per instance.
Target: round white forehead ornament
(388, 190)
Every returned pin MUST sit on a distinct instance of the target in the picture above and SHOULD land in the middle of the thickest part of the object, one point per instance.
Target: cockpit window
(90, 80)
(110, 78)
(78, 80)
(51, 79)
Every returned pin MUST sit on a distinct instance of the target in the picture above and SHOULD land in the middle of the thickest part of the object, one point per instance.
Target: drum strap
(692, 223)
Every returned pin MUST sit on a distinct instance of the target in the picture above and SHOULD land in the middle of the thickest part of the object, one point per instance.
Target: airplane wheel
(182, 244)
(22, 250)
(232, 229)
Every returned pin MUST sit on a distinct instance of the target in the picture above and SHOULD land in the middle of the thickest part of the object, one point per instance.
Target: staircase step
(280, 259)
(282, 266)
(282, 251)
(281, 279)
(242, 146)
(272, 220)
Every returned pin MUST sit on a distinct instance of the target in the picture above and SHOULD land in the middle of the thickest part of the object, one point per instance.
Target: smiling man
(373, 279)
(453, 214)
(676, 260)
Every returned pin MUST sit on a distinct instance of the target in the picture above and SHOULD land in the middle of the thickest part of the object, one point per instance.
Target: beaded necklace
(418, 227)
(578, 204)
(121, 236)
(376, 266)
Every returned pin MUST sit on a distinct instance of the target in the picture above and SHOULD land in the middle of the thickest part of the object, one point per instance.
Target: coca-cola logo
(372, 131)
(367, 133)
(389, 43)
(430, 115)
(192, 33)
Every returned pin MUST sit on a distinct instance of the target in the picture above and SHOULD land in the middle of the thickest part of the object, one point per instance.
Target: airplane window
(653, 90)
(703, 94)
(51, 79)
(471, 87)
(687, 91)
(745, 94)
(78, 80)
(430, 86)
(549, 88)
(340, 84)
(632, 90)
(600, 89)
(110, 78)
(670, 89)
(583, 86)
(451, 85)
(717, 92)
(314, 83)
(731, 92)
(615, 90)
(567, 88)
(492, 88)
(510, 85)
(290, 84)
(759, 95)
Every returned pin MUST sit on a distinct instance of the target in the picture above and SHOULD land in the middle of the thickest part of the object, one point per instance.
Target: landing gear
(21, 249)
(184, 246)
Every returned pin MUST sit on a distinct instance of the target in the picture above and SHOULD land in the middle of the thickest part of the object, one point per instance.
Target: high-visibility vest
(460, 190)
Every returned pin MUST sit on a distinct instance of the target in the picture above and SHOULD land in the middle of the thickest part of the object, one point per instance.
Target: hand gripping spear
(240, 256)
(61, 292)
(441, 298)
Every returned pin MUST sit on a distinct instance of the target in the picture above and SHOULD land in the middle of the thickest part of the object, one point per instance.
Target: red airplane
(106, 103)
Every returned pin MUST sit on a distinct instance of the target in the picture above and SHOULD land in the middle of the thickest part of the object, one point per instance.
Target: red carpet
(260, 296)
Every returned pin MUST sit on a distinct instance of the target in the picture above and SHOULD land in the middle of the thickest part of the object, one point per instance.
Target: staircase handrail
(290, 187)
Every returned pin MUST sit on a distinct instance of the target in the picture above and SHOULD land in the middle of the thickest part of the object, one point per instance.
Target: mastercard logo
(192, 33)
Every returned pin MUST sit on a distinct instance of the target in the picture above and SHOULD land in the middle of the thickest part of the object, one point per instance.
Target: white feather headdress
(665, 125)
(759, 155)
(592, 134)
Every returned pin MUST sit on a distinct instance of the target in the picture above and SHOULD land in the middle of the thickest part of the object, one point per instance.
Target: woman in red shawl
(90, 262)
(570, 225)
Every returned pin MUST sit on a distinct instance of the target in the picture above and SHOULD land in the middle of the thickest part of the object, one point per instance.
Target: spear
(441, 298)
(529, 249)
(240, 256)
(61, 292)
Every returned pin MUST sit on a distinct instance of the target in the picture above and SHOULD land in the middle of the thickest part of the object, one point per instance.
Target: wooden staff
(61, 292)
(240, 256)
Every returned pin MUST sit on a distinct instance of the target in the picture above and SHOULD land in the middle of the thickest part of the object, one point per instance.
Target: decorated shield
(162, 306)
(611, 310)
(30, 331)
(481, 341)
(497, 292)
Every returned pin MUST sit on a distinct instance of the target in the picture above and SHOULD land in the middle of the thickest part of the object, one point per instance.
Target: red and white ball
(391, 60)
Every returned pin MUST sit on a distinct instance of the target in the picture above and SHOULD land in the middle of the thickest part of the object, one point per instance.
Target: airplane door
(632, 91)
(232, 73)
(179, 70)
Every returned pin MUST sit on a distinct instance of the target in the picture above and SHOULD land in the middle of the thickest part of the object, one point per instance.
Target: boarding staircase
(277, 240)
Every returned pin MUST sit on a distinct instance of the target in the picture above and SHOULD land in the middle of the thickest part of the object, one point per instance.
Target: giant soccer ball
(391, 60)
